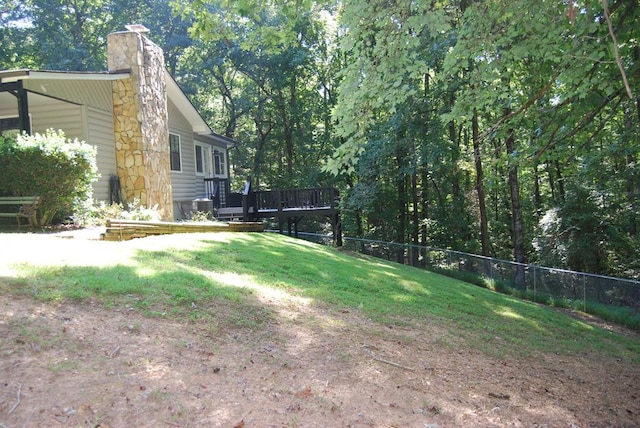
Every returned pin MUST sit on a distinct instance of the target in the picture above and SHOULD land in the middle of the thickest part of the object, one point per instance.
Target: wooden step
(122, 230)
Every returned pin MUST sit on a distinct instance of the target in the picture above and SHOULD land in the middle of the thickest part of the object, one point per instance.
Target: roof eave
(24, 74)
(184, 105)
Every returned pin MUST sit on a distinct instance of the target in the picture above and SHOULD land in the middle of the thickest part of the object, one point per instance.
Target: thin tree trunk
(631, 185)
(402, 203)
(424, 188)
(415, 227)
(560, 180)
(537, 196)
(482, 206)
(424, 210)
(552, 183)
(516, 215)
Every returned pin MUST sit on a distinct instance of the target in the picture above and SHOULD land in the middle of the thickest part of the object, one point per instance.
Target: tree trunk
(415, 227)
(560, 180)
(537, 196)
(402, 203)
(482, 206)
(424, 210)
(631, 184)
(516, 214)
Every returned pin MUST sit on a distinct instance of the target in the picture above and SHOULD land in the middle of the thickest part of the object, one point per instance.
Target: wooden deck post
(246, 200)
(23, 108)
(337, 230)
(280, 214)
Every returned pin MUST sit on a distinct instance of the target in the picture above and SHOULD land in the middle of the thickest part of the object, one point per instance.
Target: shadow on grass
(228, 278)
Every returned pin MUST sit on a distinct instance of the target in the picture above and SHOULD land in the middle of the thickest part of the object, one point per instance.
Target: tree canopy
(510, 129)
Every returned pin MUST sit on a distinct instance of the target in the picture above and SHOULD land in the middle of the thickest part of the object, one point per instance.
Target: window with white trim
(203, 159)
(199, 159)
(174, 152)
(219, 158)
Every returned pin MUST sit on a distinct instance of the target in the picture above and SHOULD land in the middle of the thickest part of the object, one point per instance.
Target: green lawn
(222, 280)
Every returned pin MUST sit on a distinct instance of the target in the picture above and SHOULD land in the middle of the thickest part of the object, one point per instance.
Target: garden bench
(20, 207)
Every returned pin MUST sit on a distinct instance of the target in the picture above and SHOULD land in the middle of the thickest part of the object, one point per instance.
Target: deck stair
(123, 230)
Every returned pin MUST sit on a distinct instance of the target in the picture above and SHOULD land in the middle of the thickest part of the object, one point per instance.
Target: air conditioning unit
(203, 205)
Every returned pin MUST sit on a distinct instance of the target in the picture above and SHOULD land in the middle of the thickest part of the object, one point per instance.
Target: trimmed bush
(49, 165)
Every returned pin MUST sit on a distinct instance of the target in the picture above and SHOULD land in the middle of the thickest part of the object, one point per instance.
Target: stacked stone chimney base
(141, 121)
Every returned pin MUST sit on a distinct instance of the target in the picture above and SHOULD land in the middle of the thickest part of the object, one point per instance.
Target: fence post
(534, 283)
(584, 293)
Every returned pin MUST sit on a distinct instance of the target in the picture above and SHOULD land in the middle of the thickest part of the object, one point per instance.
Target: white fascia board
(216, 139)
(182, 103)
(16, 75)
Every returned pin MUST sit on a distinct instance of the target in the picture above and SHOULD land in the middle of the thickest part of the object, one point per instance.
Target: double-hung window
(174, 152)
(219, 162)
(199, 159)
(203, 159)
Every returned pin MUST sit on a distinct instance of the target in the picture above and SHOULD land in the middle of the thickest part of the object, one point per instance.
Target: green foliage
(136, 211)
(59, 35)
(582, 234)
(384, 42)
(98, 213)
(377, 97)
(59, 170)
(269, 65)
(201, 216)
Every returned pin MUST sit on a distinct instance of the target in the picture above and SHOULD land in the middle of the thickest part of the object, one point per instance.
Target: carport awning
(12, 81)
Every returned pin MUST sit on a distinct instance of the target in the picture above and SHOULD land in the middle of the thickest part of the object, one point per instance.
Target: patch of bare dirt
(85, 365)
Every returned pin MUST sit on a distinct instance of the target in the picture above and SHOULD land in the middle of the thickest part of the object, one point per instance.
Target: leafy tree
(461, 124)
(71, 35)
(276, 55)
(15, 37)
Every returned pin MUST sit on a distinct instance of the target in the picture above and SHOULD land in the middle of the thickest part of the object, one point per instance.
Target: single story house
(147, 132)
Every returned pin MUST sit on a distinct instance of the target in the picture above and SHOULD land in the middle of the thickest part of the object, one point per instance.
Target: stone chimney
(140, 120)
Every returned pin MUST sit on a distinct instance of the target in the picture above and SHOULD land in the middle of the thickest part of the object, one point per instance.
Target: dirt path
(73, 365)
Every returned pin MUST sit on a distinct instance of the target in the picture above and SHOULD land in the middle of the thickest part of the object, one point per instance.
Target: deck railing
(312, 198)
(212, 189)
(259, 203)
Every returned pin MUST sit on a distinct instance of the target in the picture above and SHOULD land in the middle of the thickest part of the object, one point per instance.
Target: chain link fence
(539, 282)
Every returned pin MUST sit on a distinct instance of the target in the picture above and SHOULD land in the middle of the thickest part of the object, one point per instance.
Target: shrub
(200, 217)
(136, 211)
(100, 212)
(49, 165)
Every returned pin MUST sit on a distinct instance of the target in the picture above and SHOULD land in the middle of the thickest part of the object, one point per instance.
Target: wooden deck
(287, 206)
(290, 206)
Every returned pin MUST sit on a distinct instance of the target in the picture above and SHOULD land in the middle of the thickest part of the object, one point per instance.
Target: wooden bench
(20, 207)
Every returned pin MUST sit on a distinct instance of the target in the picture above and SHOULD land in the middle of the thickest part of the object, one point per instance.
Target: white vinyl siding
(58, 115)
(101, 134)
(89, 117)
(184, 183)
(8, 106)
